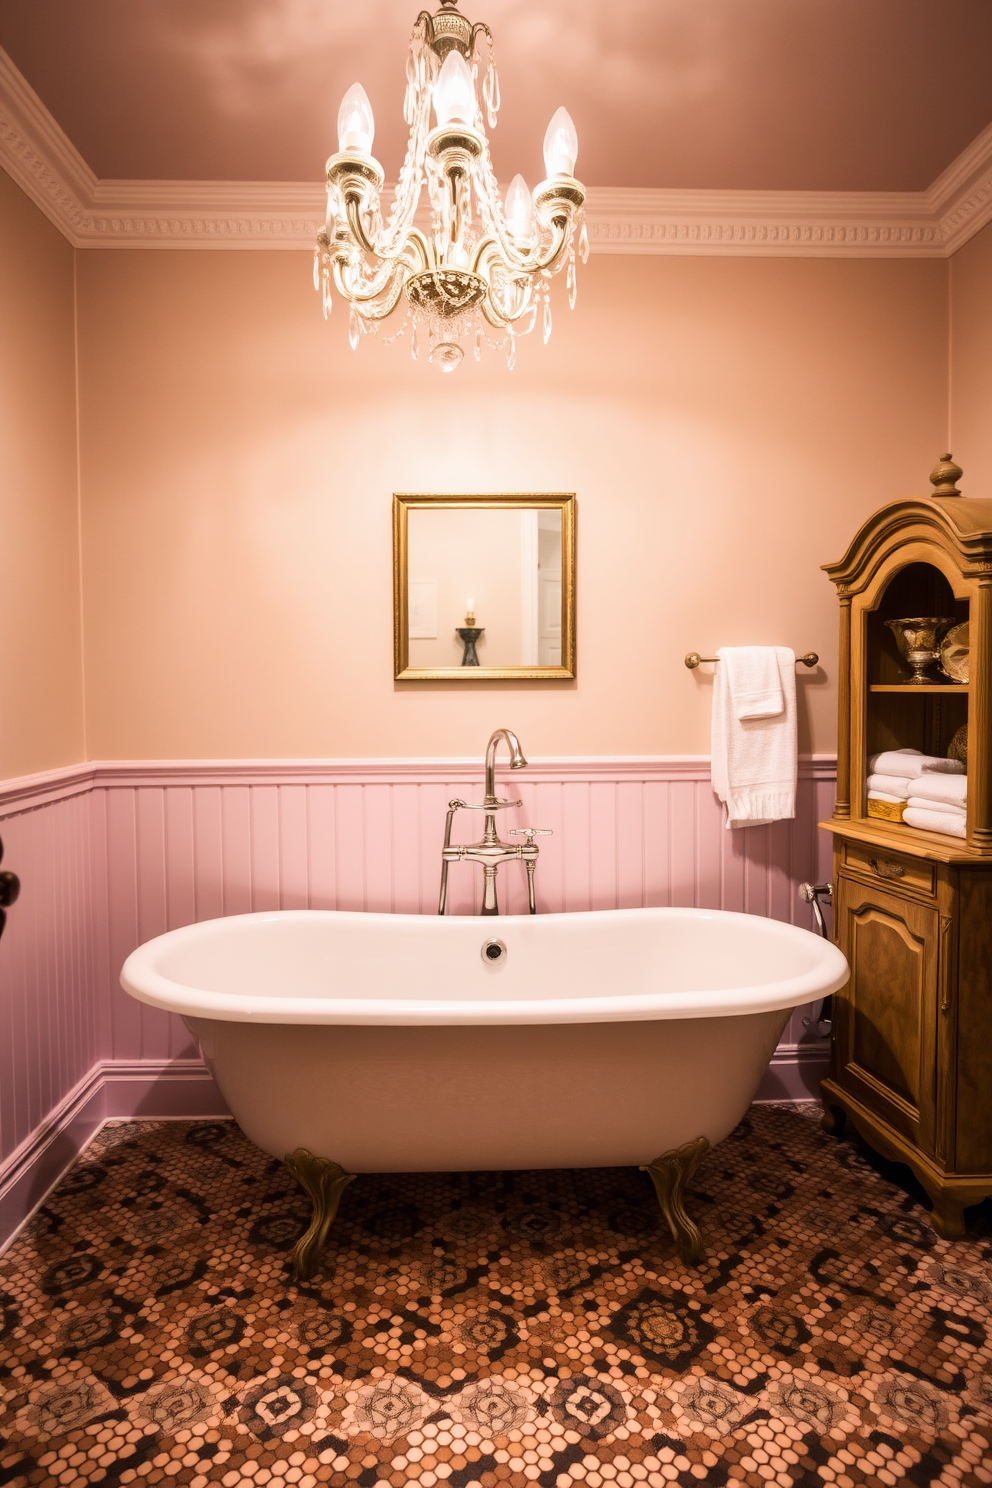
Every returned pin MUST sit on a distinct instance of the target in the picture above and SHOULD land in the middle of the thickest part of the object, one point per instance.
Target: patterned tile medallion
(491, 1328)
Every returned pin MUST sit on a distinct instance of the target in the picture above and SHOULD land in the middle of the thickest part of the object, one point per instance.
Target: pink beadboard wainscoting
(112, 854)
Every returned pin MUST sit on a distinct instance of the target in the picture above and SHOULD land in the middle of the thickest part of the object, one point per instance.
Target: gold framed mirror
(483, 587)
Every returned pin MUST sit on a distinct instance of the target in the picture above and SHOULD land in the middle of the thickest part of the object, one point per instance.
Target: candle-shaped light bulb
(520, 212)
(561, 145)
(356, 126)
(454, 91)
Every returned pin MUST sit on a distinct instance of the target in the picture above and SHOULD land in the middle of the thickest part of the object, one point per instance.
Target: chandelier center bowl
(446, 293)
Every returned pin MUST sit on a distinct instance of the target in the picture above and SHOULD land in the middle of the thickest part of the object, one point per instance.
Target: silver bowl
(919, 643)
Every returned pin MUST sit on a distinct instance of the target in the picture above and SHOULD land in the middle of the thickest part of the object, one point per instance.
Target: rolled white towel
(947, 790)
(951, 823)
(910, 763)
(927, 803)
(877, 795)
(895, 785)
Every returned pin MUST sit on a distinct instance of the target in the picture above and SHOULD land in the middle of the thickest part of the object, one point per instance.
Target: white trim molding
(183, 1090)
(152, 1089)
(94, 213)
(27, 792)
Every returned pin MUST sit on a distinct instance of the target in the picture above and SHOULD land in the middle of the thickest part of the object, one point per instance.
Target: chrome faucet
(490, 851)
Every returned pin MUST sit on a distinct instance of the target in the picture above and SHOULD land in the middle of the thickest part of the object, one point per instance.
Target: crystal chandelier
(482, 271)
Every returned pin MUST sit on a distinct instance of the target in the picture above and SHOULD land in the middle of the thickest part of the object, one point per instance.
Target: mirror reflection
(484, 586)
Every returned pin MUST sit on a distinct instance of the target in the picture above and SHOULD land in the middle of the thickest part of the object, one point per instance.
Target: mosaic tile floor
(491, 1329)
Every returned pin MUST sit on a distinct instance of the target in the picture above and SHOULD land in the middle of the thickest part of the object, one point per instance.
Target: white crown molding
(765, 224)
(93, 213)
(961, 196)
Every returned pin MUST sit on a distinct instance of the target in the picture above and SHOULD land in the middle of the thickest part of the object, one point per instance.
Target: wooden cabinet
(911, 1055)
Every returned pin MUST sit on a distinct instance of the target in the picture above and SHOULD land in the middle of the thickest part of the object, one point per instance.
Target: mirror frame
(403, 504)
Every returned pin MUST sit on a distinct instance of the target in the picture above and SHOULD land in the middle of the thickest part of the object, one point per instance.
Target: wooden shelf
(923, 687)
(900, 837)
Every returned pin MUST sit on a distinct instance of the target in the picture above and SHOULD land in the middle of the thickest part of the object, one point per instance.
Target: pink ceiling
(760, 94)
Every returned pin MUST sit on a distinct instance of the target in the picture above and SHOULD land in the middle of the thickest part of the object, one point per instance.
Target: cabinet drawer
(898, 870)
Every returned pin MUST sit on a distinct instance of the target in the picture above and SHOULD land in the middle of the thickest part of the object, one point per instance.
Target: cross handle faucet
(490, 852)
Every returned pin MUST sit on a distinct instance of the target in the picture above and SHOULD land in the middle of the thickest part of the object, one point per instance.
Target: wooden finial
(944, 475)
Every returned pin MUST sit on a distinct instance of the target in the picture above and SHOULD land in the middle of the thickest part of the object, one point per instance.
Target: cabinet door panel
(886, 1038)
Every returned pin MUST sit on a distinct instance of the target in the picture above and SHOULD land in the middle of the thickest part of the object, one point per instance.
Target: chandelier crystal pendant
(483, 270)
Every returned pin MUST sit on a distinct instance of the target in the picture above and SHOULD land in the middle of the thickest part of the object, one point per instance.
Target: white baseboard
(157, 1089)
(795, 1072)
(182, 1089)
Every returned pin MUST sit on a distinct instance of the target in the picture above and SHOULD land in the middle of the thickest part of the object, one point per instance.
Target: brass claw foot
(670, 1173)
(324, 1182)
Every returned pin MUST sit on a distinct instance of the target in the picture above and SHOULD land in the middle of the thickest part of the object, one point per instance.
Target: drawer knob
(885, 868)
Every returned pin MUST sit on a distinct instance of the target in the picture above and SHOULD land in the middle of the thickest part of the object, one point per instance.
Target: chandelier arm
(479, 29)
(498, 320)
(358, 297)
(416, 239)
(353, 203)
(394, 289)
(493, 315)
(492, 245)
(502, 318)
(498, 229)
(426, 20)
(560, 229)
(484, 250)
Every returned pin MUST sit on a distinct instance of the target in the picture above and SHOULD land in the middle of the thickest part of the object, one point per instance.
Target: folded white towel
(896, 762)
(910, 762)
(951, 823)
(894, 784)
(752, 675)
(877, 795)
(927, 803)
(754, 753)
(948, 790)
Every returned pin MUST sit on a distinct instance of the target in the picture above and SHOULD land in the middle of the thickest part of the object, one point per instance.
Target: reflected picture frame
(403, 505)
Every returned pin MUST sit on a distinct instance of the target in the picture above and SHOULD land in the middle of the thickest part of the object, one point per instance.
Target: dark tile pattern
(485, 1329)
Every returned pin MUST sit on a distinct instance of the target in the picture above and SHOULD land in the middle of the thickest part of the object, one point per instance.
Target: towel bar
(693, 659)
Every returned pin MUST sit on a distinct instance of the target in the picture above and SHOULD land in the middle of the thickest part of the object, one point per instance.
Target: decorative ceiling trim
(93, 213)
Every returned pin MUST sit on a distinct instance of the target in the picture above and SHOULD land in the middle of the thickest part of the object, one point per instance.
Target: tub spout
(517, 761)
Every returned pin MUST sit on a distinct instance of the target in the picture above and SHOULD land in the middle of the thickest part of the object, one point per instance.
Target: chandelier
(481, 271)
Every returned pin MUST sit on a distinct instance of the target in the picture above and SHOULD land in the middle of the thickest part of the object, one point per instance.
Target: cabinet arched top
(910, 554)
(957, 526)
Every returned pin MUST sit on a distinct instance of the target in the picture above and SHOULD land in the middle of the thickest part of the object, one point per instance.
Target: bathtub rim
(141, 979)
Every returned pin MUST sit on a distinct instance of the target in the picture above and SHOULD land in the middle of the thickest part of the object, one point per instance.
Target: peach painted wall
(726, 423)
(41, 705)
(971, 362)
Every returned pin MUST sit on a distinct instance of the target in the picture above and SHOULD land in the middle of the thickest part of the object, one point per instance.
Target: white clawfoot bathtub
(391, 1043)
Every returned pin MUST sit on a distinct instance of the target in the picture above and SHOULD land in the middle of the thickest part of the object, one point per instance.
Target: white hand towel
(951, 823)
(877, 795)
(947, 790)
(893, 784)
(925, 803)
(754, 753)
(752, 675)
